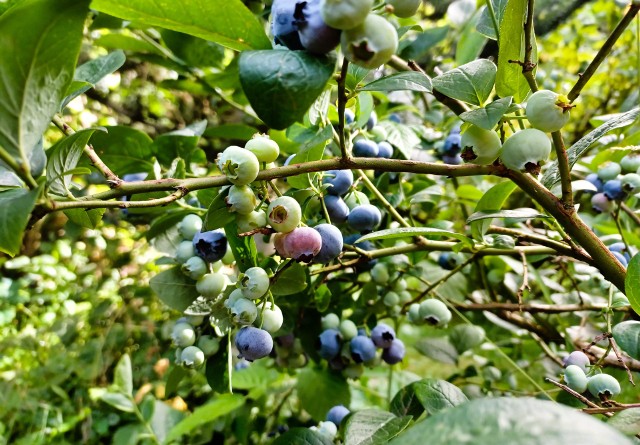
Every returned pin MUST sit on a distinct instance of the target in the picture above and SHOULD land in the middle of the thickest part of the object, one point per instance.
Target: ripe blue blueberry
(364, 245)
(283, 24)
(253, 343)
(613, 189)
(315, 36)
(382, 335)
(339, 181)
(621, 248)
(331, 243)
(364, 218)
(449, 260)
(365, 148)
(394, 353)
(337, 414)
(336, 208)
(349, 116)
(372, 121)
(596, 181)
(134, 177)
(362, 349)
(211, 246)
(577, 358)
(620, 257)
(452, 160)
(452, 144)
(385, 150)
(329, 343)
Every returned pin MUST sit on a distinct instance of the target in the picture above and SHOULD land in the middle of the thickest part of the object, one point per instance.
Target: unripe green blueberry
(345, 14)
(272, 318)
(244, 311)
(241, 199)
(330, 321)
(355, 199)
(609, 170)
(189, 226)
(480, 146)
(526, 150)
(631, 182)
(254, 282)
(265, 149)
(348, 329)
(254, 220)
(183, 335)
(435, 312)
(354, 371)
(630, 163)
(603, 386)
(548, 111)
(209, 345)
(240, 166)
(211, 285)
(400, 285)
(195, 267)
(404, 8)
(405, 297)
(185, 251)
(284, 214)
(391, 299)
(414, 314)
(228, 257)
(371, 43)
(379, 133)
(192, 357)
(234, 296)
(575, 378)
(380, 273)
(194, 320)
(328, 429)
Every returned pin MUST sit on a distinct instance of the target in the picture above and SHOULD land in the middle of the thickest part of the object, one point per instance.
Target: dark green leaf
(124, 149)
(130, 434)
(420, 47)
(406, 232)
(90, 73)
(176, 375)
(291, 281)
(194, 51)
(179, 143)
(465, 337)
(291, 79)
(373, 427)
(15, 208)
(302, 436)
(220, 406)
(627, 336)
(471, 83)
(217, 369)
(231, 131)
(118, 400)
(165, 222)
(127, 43)
(524, 213)
(322, 297)
(64, 156)
(408, 80)
(254, 376)
(489, 116)
(243, 247)
(85, 218)
(174, 288)
(485, 24)
(40, 41)
(438, 348)
(632, 283)
(500, 420)
(218, 215)
(493, 199)
(436, 395)
(227, 22)
(406, 403)
(319, 390)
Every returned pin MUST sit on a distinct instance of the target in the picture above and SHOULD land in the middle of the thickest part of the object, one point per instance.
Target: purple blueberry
(382, 335)
(595, 180)
(337, 414)
(365, 148)
(385, 150)
(336, 208)
(340, 181)
(331, 243)
(315, 36)
(329, 343)
(613, 189)
(362, 349)
(283, 24)
(394, 353)
(253, 343)
(210, 246)
(302, 244)
(365, 217)
(601, 203)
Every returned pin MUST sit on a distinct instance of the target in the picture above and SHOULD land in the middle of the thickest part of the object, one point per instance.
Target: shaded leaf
(15, 208)
(627, 336)
(123, 378)
(292, 281)
(371, 426)
(174, 288)
(489, 116)
(91, 72)
(319, 390)
(471, 83)
(302, 436)
(85, 218)
(408, 80)
(493, 199)
(436, 395)
(438, 348)
(524, 213)
(243, 247)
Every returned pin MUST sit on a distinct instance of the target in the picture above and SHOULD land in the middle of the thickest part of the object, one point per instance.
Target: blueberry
(348, 329)
(209, 345)
(577, 358)
(330, 321)
(253, 343)
(336, 208)
(183, 335)
(362, 349)
(595, 180)
(189, 226)
(239, 165)
(365, 245)
(601, 203)
(365, 148)
(575, 378)
(302, 244)
(265, 149)
(284, 214)
(337, 414)
(621, 248)
(452, 160)
(382, 335)
(210, 246)
(395, 117)
(603, 386)
(194, 267)
(435, 312)
(372, 121)
(621, 258)
(184, 251)
(315, 36)
(364, 218)
(385, 150)
(331, 243)
(191, 357)
(329, 343)
(211, 285)
(133, 177)
(613, 189)
(283, 24)
(254, 282)
(394, 353)
(449, 260)
(242, 364)
(340, 181)
(349, 116)
(609, 170)
(452, 144)
(244, 311)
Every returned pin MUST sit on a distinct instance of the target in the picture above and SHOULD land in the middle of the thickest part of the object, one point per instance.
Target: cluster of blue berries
(615, 182)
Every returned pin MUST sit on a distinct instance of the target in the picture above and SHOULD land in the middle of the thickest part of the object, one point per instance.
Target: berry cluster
(580, 377)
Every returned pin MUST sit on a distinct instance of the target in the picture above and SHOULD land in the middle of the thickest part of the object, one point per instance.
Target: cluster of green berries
(580, 377)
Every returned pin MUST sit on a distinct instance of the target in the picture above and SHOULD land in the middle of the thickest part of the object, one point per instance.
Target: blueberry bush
(319, 222)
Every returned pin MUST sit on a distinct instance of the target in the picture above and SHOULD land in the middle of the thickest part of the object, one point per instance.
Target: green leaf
(231, 131)
(243, 247)
(510, 80)
(373, 427)
(220, 406)
(489, 116)
(470, 43)
(493, 199)
(302, 436)
(322, 297)
(40, 41)
(64, 156)
(176, 375)
(127, 42)
(217, 369)
(485, 24)
(123, 378)
(130, 434)
(465, 337)
(227, 22)
(500, 420)
(575, 152)
(401, 136)
(124, 149)
(90, 73)
(524, 213)
(406, 232)
(632, 283)
(254, 376)
(85, 218)
(438, 348)
(15, 208)
(291, 79)
(406, 403)
(218, 215)
(174, 288)
(471, 83)
(408, 80)
(319, 390)
(117, 400)
(179, 143)
(627, 336)
(627, 421)
(436, 395)
(292, 281)
(423, 43)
